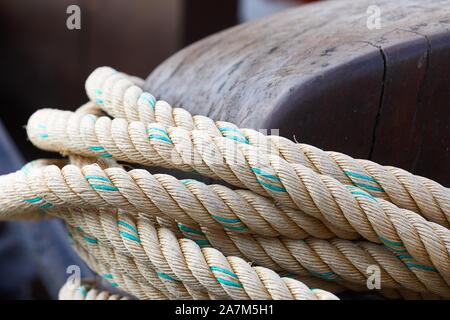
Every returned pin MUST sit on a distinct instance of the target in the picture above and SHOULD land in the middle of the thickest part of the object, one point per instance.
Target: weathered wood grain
(319, 73)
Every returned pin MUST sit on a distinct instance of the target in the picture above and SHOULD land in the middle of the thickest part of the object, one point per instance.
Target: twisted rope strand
(208, 270)
(116, 93)
(112, 214)
(336, 260)
(135, 287)
(71, 185)
(187, 201)
(89, 219)
(140, 290)
(140, 270)
(311, 282)
(348, 208)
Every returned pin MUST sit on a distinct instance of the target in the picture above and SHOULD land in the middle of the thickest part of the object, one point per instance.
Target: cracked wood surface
(318, 73)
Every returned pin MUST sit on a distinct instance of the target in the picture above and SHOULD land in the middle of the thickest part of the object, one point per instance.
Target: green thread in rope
(226, 271)
(33, 200)
(419, 266)
(366, 186)
(46, 205)
(226, 133)
(98, 178)
(126, 234)
(83, 291)
(351, 174)
(109, 277)
(226, 220)
(148, 98)
(225, 281)
(164, 132)
(90, 240)
(106, 155)
(129, 236)
(202, 242)
(101, 186)
(100, 148)
(160, 137)
(96, 148)
(225, 129)
(166, 276)
(360, 176)
(271, 187)
(265, 174)
(390, 242)
(238, 139)
(397, 251)
(98, 100)
(127, 225)
(189, 230)
(187, 181)
(228, 282)
(358, 191)
(326, 275)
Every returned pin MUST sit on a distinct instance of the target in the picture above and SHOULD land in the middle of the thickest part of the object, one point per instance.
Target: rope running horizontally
(336, 260)
(348, 208)
(300, 212)
(121, 96)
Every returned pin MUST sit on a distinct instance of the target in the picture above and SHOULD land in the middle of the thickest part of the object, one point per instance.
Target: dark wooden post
(319, 73)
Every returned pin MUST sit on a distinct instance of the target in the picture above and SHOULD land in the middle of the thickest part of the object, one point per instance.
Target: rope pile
(287, 217)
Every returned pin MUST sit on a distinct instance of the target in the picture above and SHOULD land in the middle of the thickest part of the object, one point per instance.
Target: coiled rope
(162, 242)
(348, 208)
(121, 96)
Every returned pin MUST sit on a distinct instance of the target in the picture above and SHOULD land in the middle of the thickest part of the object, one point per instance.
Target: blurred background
(44, 64)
